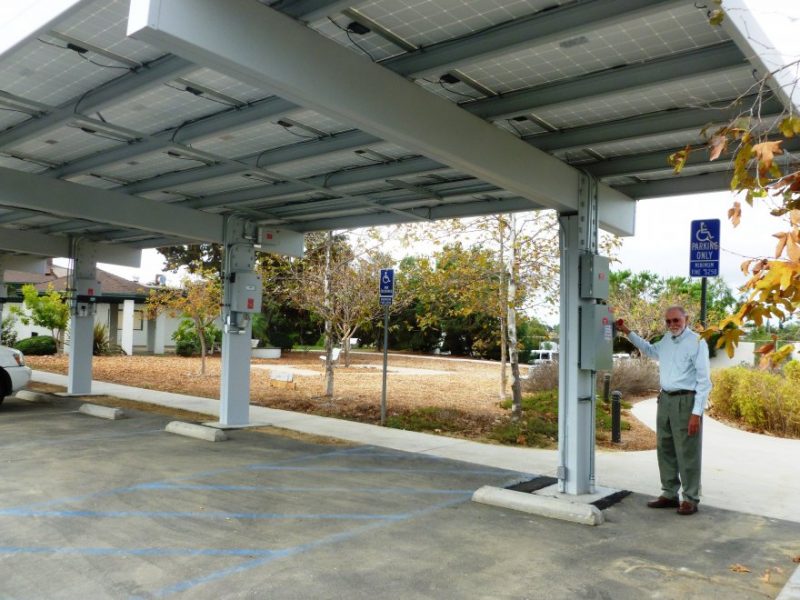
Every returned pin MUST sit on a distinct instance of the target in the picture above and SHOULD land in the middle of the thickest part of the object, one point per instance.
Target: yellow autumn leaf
(677, 160)
(765, 153)
(737, 568)
(735, 214)
(716, 146)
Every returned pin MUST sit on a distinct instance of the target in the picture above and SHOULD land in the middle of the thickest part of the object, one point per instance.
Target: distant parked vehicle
(543, 357)
(14, 375)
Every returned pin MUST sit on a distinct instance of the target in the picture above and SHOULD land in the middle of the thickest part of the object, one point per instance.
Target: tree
(642, 298)
(49, 310)
(197, 258)
(197, 300)
(762, 172)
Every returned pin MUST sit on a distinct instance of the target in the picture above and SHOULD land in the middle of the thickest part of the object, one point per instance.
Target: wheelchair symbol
(703, 234)
(386, 278)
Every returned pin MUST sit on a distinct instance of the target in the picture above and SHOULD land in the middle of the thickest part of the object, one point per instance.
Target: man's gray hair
(677, 307)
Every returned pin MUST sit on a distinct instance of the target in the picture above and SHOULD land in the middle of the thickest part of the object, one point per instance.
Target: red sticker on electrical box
(250, 303)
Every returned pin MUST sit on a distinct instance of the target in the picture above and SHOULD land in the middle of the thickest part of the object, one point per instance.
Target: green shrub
(759, 400)
(187, 342)
(37, 346)
(8, 337)
(426, 418)
(538, 425)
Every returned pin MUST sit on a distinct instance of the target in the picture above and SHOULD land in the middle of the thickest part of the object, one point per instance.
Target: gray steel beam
(657, 161)
(544, 27)
(310, 10)
(39, 244)
(73, 201)
(714, 59)
(446, 211)
(652, 124)
(349, 177)
(679, 185)
(159, 71)
(341, 141)
(228, 119)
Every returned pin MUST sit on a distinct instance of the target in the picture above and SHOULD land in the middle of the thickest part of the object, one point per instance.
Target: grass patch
(538, 425)
(427, 418)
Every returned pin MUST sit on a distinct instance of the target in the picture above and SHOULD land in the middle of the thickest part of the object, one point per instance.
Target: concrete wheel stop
(199, 432)
(33, 396)
(540, 496)
(102, 412)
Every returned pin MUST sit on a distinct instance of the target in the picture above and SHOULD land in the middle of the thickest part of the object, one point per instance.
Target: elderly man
(685, 384)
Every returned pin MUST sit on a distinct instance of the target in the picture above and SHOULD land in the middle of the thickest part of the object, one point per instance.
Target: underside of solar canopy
(351, 113)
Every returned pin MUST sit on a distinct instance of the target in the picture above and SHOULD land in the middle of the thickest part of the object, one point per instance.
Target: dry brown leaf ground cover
(464, 394)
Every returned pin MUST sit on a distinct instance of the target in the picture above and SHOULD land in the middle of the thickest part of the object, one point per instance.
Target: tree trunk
(328, 311)
(201, 333)
(346, 348)
(516, 387)
(503, 311)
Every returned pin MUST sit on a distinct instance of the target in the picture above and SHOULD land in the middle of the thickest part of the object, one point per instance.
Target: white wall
(744, 354)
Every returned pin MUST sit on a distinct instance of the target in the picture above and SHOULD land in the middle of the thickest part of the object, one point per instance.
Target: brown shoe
(662, 502)
(687, 508)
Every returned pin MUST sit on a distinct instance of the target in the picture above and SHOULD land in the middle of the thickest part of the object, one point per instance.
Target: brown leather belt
(679, 393)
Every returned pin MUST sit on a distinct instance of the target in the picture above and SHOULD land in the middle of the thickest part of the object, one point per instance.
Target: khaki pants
(679, 454)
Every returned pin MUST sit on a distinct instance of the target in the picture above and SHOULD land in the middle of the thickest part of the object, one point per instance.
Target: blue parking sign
(386, 284)
(704, 248)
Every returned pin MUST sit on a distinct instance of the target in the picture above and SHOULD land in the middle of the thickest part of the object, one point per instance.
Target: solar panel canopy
(120, 141)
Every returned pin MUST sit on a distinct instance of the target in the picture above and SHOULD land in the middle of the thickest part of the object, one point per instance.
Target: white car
(14, 375)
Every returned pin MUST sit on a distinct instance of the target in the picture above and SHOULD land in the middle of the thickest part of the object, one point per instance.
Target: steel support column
(81, 322)
(239, 257)
(576, 397)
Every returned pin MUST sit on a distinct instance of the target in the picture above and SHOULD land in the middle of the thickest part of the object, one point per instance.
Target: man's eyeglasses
(671, 321)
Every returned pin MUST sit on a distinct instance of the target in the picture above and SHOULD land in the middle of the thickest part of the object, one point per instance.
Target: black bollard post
(606, 386)
(616, 401)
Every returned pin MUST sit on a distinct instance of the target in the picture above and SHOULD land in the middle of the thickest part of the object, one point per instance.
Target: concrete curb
(32, 396)
(200, 432)
(791, 591)
(584, 514)
(102, 412)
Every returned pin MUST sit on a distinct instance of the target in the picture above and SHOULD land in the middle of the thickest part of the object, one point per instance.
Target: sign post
(704, 256)
(386, 288)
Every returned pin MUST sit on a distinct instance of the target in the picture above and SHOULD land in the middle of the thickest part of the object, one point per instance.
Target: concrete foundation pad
(102, 412)
(222, 426)
(545, 506)
(32, 396)
(199, 432)
(551, 491)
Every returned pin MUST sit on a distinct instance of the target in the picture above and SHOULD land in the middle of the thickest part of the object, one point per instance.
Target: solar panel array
(84, 103)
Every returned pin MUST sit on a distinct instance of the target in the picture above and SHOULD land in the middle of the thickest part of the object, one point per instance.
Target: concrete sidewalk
(742, 471)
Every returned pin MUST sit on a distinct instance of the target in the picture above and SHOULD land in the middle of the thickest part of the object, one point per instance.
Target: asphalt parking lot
(120, 509)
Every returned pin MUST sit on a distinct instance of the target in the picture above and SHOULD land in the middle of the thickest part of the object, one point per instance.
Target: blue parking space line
(214, 515)
(454, 471)
(134, 487)
(74, 440)
(126, 552)
(294, 551)
(298, 489)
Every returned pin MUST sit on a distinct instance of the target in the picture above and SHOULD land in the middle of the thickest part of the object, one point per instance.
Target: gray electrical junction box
(597, 337)
(594, 277)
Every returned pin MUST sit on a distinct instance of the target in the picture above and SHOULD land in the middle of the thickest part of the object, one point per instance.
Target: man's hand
(694, 424)
(622, 327)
